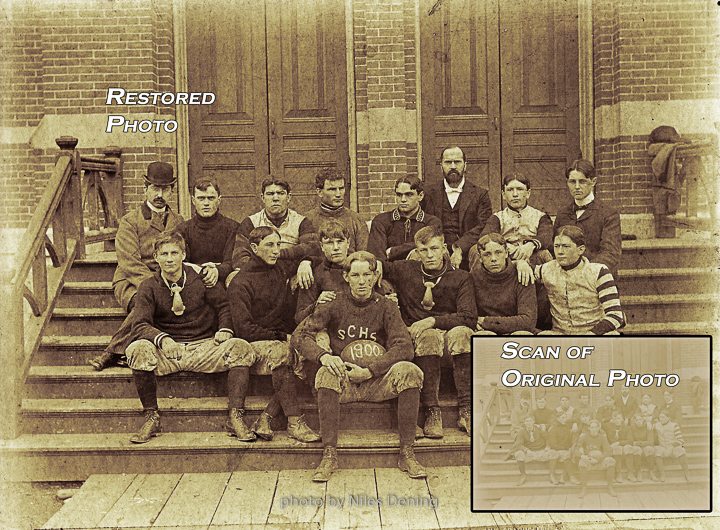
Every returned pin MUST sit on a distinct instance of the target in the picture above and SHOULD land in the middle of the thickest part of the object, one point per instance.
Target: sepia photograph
(253, 254)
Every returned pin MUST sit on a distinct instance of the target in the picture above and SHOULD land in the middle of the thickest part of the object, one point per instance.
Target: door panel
(229, 139)
(460, 101)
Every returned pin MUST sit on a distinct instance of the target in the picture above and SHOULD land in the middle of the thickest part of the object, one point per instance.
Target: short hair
(575, 234)
(442, 154)
(664, 413)
(636, 416)
(528, 416)
(617, 413)
(516, 176)
(360, 255)
(274, 181)
(329, 173)
(583, 166)
(427, 233)
(167, 238)
(595, 421)
(411, 179)
(492, 237)
(333, 229)
(204, 183)
(260, 233)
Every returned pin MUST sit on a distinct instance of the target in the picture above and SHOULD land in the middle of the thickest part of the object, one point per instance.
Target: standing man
(392, 233)
(463, 207)
(625, 403)
(209, 236)
(330, 185)
(599, 222)
(134, 248)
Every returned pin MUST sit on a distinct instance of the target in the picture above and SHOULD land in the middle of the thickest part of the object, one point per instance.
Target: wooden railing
(60, 209)
(496, 405)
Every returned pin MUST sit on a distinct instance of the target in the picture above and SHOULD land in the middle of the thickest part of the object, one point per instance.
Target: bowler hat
(160, 174)
(665, 135)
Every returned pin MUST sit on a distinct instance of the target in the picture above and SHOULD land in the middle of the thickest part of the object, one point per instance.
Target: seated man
(648, 410)
(529, 446)
(209, 236)
(560, 440)
(604, 413)
(625, 403)
(180, 325)
(583, 297)
(584, 405)
(567, 408)
(669, 443)
(392, 233)
(134, 248)
(518, 413)
(437, 303)
(595, 454)
(504, 305)
(373, 369)
(674, 411)
(263, 309)
(619, 437)
(643, 441)
(542, 415)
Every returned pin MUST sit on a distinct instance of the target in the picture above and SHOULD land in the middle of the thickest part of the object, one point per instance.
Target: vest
(450, 221)
(289, 229)
(574, 300)
(518, 227)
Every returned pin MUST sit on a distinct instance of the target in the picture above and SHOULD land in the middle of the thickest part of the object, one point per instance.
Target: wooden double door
(500, 79)
(277, 69)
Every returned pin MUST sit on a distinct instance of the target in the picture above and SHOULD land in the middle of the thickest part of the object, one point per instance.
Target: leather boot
(433, 423)
(107, 359)
(262, 428)
(419, 432)
(328, 464)
(298, 429)
(407, 462)
(523, 476)
(465, 420)
(150, 428)
(609, 475)
(553, 467)
(236, 426)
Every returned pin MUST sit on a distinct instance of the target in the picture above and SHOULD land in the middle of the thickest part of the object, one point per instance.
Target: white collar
(156, 210)
(450, 189)
(587, 200)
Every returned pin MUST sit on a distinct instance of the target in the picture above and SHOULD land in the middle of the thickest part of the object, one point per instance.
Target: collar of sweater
(362, 303)
(498, 277)
(190, 276)
(419, 215)
(258, 265)
(332, 210)
(568, 268)
(207, 222)
(330, 265)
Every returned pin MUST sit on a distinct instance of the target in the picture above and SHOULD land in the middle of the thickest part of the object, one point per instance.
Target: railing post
(75, 227)
(112, 188)
(12, 354)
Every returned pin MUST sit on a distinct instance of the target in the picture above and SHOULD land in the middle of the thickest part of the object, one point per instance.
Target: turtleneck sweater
(210, 239)
(357, 228)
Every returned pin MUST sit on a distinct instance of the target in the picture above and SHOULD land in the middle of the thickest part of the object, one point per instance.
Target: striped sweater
(583, 298)
(668, 434)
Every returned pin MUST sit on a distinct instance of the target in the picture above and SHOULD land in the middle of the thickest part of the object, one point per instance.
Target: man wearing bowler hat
(134, 247)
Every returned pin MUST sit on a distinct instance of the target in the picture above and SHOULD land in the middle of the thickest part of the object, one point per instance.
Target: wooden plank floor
(382, 498)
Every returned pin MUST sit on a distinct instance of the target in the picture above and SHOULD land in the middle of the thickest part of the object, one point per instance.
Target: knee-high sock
(463, 379)
(683, 462)
(430, 365)
(408, 404)
(659, 464)
(610, 475)
(329, 411)
(238, 382)
(146, 385)
(284, 383)
(630, 463)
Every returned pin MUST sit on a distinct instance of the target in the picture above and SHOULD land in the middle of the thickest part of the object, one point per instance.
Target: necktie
(427, 301)
(177, 307)
(581, 208)
(408, 230)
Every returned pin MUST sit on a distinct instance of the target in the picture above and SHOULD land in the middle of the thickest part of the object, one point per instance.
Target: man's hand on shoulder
(326, 296)
(171, 349)
(525, 251)
(305, 274)
(525, 272)
(456, 257)
(211, 274)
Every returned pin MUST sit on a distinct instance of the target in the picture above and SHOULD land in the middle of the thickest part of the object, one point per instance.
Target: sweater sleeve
(307, 299)
(308, 243)
(610, 300)
(226, 267)
(526, 318)
(398, 345)
(143, 315)
(217, 299)
(492, 226)
(241, 250)
(240, 309)
(313, 324)
(361, 234)
(466, 307)
(377, 242)
(545, 233)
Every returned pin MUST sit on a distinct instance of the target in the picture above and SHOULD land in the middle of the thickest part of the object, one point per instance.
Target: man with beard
(463, 207)
(134, 248)
(625, 403)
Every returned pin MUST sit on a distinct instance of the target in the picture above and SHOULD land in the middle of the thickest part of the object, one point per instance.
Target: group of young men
(581, 440)
(360, 315)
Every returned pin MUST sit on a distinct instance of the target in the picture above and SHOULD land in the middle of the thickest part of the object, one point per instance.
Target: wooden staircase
(75, 422)
(499, 477)
(669, 286)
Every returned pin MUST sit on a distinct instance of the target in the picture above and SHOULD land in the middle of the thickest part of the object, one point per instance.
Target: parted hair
(271, 180)
(522, 179)
(204, 184)
(575, 234)
(329, 173)
(427, 233)
(492, 237)
(260, 233)
(413, 180)
(167, 238)
(333, 229)
(360, 255)
(583, 166)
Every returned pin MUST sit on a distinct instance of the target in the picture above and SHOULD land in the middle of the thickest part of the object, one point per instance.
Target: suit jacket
(134, 247)
(601, 225)
(474, 208)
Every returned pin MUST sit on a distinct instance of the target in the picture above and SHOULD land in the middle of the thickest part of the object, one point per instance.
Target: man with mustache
(134, 248)
(463, 207)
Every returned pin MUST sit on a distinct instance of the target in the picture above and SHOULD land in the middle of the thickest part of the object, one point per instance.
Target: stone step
(666, 281)
(85, 321)
(74, 457)
(668, 253)
(87, 294)
(72, 416)
(671, 307)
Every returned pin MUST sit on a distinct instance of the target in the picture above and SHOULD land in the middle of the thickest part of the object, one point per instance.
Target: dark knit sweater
(619, 434)
(673, 410)
(307, 243)
(542, 416)
(642, 436)
(524, 440)
(506, 304)
(388, 232)
(206, 310)
(453, 295)
(589, 443)
(559, 437)
(262, 305)
(347, 320)
(328, 277)
(210, 239)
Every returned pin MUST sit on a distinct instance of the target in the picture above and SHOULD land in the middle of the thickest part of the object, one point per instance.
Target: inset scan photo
(591, 424)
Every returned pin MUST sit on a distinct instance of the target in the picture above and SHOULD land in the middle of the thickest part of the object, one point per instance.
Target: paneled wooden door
(500, 79)
(277, 69)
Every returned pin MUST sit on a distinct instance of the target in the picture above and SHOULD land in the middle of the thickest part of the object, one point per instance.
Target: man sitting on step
(530, 446)
(437, 303)
(595, 454)
(369, 356)
(180, 325)
(134, 248)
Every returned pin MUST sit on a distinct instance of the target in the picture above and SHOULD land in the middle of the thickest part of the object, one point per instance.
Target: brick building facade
(653, 62)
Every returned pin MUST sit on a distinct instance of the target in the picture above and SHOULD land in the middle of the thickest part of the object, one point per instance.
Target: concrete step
(98, 267)
(124, 415)
(87, 294)
(74, 457)
(666, 281)
(85, 321)
(671, 307)
(697, 251)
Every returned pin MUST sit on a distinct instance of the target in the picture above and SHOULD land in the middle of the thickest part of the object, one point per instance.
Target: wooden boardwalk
(289, 499)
